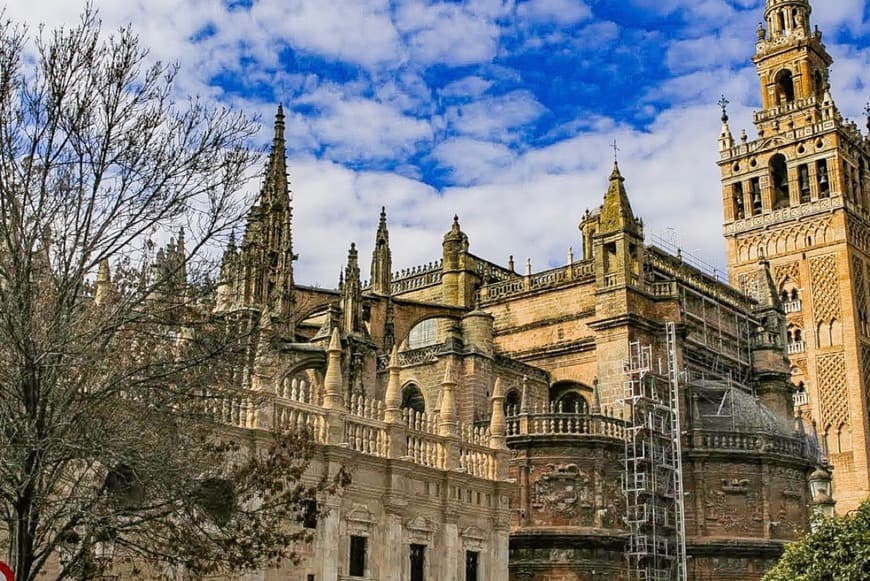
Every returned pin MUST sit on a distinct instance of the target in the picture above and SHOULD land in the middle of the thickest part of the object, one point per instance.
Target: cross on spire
(616, 151)
(723, 102)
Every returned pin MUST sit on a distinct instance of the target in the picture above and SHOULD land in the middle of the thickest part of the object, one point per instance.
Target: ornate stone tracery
(833, 395)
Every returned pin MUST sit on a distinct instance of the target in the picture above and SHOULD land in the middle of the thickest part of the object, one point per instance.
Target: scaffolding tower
(653, 478)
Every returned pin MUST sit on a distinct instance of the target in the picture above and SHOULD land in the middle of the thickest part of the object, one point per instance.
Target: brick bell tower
(798, 196)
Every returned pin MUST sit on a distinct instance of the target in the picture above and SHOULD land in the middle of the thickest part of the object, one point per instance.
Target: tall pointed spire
(266, 253)
(276, 171)
(351, 293)
(616, 214)
(382, 261)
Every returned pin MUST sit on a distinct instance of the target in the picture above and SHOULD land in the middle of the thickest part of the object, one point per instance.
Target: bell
(823, 179)
(756, 198)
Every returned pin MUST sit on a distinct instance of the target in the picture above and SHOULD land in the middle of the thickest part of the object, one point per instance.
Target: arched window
(512, 402)
(819, 85)
(784, 87)
(412, 398)
(779, 178)
(423, 334)
(572, 403)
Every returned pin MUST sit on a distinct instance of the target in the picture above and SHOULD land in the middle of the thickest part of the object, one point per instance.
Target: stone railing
(792, 306)
(784, 214)
(490, 272)
(541, 280)
(361, 426)
(662, 290)
(501, 290)
(796, 347)
(800, 447)
(416, 277)
(554, 423)
(800, 398)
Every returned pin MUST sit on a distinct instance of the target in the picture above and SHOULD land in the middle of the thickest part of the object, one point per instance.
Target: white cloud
(495, 117)
(558, 11)
(448, 33)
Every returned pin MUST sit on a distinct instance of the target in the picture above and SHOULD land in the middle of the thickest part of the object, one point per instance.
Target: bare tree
(111, 396)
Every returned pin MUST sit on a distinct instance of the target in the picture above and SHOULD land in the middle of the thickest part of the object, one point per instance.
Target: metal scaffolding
(653, 478)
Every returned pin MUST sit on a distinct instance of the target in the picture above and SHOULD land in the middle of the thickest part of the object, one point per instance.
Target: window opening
(472, 559)
(358, 547)
(418, 561)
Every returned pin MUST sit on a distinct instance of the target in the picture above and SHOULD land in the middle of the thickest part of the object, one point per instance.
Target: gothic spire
(351, 293)
(381, 271)
(616, 214)
(275, 187)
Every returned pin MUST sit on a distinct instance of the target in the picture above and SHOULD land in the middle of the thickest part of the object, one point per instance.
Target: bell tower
(798, 196)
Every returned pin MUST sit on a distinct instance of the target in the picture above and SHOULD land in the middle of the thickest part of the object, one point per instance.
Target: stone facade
(484, 410)
(798, 195)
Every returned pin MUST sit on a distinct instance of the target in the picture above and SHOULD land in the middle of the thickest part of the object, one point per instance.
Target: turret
(454, 281)
(618, 239)
(381, 272)
(103, 284)
(351, 293)
(226, 285)
(773, 386)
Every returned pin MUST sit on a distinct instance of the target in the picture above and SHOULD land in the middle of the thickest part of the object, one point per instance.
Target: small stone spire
(332, 383)
(103, 284)
(382, 262)
(447, 420)
(596, 397)
(497, 422)
(351, 293)
(524, 396)
(393, 397)
(616, 214)
(768, 295)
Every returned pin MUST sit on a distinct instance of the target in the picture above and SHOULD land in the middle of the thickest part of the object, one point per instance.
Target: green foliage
(837, 550)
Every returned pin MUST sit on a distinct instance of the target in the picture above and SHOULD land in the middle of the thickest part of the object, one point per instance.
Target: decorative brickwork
(788, 271)
(831, 374)
(858, 272)
(826, 291)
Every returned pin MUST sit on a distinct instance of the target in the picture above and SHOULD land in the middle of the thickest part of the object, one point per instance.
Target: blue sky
(499, 110)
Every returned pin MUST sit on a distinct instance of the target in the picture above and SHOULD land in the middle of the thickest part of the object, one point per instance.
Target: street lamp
(820, 488)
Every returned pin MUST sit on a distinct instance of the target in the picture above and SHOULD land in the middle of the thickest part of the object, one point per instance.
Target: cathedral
(624, 416)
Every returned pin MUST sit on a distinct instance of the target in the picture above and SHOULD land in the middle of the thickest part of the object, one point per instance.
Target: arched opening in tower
(779, 178)
(784, 87)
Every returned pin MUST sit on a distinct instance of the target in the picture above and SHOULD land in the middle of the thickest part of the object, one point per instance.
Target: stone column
(449, 553)
(498, 562)
(328, 541)
(394, 549)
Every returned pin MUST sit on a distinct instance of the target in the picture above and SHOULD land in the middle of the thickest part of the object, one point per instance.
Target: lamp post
(820, 488)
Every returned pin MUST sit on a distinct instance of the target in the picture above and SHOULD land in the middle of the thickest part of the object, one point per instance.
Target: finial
(456, 218)
(723, 103)
(616, 151)
(383, 211)
(867, 115)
